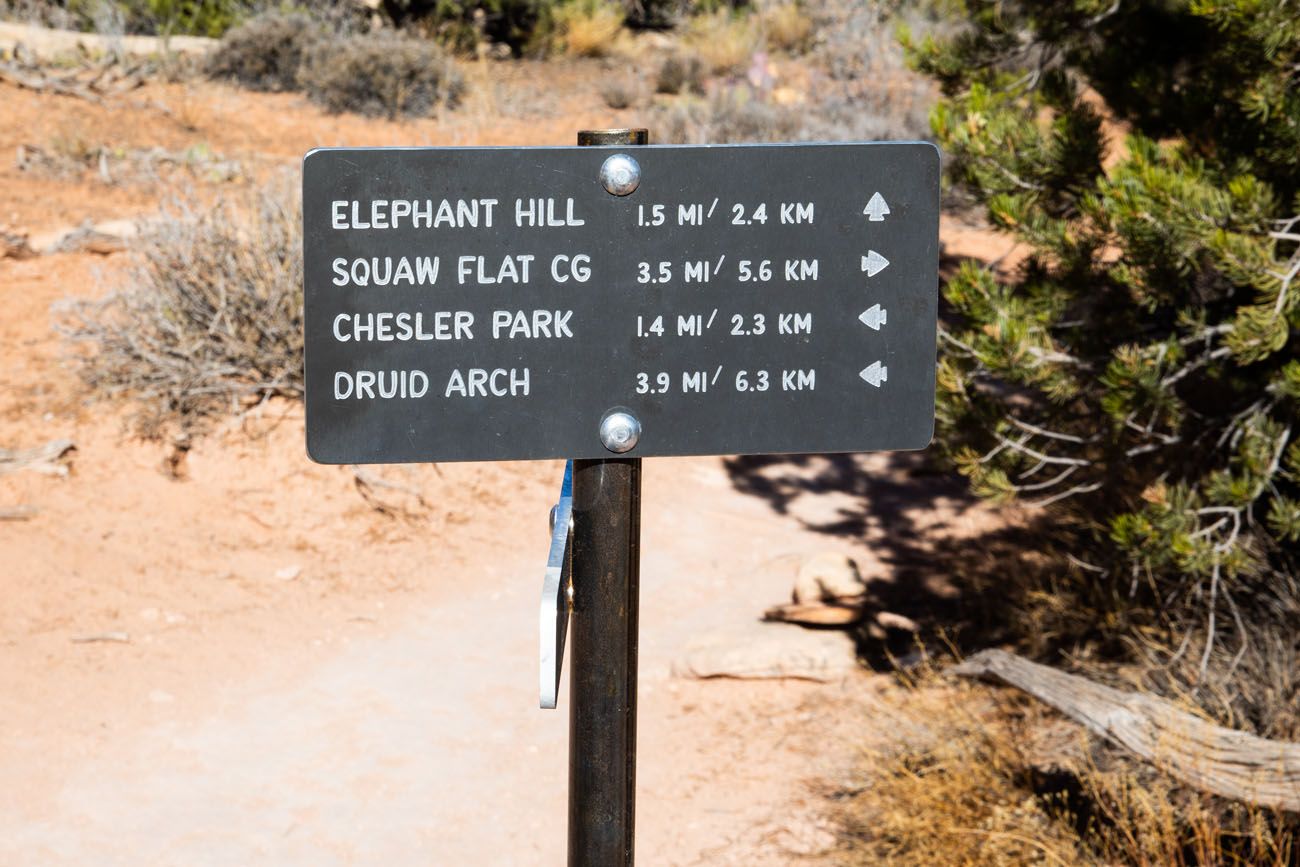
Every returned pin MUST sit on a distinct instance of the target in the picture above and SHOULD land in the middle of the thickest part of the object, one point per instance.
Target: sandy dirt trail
(424, 745)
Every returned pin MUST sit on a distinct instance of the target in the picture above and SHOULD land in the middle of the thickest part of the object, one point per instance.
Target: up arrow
(877, 209)
(875, 374)
(873, 263)
(874, 317)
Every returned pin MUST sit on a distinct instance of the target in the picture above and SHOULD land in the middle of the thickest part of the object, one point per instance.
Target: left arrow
(874, 317)
(875, 373)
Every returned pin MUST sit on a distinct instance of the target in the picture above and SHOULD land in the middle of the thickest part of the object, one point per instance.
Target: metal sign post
(603, 634)
(603, 304)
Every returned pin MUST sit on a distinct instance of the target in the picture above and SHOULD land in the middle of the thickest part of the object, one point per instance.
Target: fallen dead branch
(49, 43)
(408, 503)
(1217, 760)
(53, 458)
(19, 513)
(124, 166)
(14, 244)
(91, 80)
(102, 637)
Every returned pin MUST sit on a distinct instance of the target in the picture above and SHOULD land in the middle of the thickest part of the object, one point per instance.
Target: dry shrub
(729, 115)
(680, 72)
(868, 91)
(620, 93)
(1247, 678)
(1140, 817)
(265, 53)
(967, 780)
(724, 42)
(589, 28)
(210, 318)
(380, 74)
(956, 791)
(787, 27)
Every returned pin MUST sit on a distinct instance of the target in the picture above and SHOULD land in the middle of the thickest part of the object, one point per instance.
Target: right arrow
(874, 317)
(873, 263)
(875, 374)
(877, 209)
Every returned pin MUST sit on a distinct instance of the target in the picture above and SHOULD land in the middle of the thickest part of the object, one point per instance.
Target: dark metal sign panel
(500, 303)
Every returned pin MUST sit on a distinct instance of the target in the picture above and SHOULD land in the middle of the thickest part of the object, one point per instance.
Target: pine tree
(1138, 376)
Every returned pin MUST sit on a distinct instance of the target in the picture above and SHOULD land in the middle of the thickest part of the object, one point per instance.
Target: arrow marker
(875, 374)
(877, 209)
(874, 317)
(873, 263)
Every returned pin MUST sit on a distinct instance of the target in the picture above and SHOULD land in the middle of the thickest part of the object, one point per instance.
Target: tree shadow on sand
(952, 565)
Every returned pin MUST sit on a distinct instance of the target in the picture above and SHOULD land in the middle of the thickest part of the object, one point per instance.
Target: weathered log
(1217, 760)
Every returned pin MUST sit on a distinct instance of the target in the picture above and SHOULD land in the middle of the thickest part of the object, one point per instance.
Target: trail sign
(517, 303)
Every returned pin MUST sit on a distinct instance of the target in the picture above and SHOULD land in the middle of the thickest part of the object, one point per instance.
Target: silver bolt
(620, 175)
(619, 432)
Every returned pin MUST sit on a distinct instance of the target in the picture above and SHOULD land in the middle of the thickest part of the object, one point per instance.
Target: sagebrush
(266, 52)
(728, 115)
(383, 73)
(380, 74)
(209, 317)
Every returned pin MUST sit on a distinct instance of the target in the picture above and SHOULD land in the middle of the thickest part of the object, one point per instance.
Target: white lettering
(531, 324)
(403, 326)
(401, 208)
(421, 213)
(479, 382)
(383, 271)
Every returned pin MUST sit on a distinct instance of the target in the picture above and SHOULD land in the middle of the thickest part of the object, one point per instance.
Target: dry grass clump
(725, 42)
(381, 74)
(787, 27)
(728, 115)
(265, 53)
(589, 28)
(680, 73)
(210, 318)
(956, 790)
(967, 781)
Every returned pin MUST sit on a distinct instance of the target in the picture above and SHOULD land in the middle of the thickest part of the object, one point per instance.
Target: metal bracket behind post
(557, 592)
